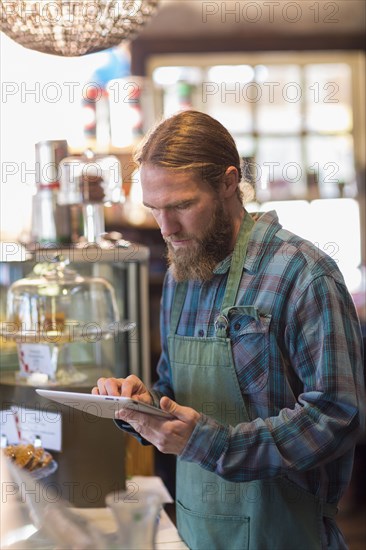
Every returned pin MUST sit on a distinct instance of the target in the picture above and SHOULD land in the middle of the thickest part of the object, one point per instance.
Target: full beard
(198, 261)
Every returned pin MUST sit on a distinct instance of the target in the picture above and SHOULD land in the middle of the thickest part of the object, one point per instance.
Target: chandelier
(73, 27)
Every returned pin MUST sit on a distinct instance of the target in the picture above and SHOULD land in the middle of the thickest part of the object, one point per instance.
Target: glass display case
(121, 270)
(106, 306)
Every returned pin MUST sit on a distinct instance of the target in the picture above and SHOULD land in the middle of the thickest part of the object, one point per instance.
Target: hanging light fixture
(73, 27)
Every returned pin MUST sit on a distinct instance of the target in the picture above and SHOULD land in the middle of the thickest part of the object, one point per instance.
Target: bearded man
(261, 364)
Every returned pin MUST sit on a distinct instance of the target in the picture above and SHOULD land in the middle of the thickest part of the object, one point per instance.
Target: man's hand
(123, 387)
(169, 436)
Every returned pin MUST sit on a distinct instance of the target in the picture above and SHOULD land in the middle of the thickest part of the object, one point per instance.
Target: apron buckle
(221, 323)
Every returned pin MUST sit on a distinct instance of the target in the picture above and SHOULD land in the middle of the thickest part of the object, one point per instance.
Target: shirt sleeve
(324, 345)
(126, 427)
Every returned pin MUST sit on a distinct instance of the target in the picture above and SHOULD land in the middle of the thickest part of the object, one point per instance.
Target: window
(292, 115)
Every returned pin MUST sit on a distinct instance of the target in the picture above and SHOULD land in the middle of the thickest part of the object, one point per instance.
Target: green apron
(212, 513)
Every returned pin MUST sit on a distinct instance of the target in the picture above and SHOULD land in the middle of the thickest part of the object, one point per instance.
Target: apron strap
(177, 306)
(237, 262)
(232, 285)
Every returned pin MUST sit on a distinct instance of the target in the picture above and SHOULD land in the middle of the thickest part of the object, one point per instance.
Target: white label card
(36, 358)
(46, 425)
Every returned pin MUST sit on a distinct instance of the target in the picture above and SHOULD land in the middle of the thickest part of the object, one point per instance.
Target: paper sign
(42, 424)
(36, 358)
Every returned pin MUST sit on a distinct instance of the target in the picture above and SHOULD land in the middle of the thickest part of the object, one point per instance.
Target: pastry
(27, 456)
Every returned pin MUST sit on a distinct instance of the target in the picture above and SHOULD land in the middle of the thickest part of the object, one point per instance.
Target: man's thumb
(170, 406)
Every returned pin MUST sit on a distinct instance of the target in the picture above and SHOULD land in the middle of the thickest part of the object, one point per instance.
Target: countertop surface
(62, 527)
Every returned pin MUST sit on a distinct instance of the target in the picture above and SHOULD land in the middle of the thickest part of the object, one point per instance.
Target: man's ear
(231, 182)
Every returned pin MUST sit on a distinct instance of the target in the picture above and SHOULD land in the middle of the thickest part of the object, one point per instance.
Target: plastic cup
(136, 514)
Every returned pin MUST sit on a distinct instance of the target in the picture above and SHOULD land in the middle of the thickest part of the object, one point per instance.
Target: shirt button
(201, 333)
(237, 326)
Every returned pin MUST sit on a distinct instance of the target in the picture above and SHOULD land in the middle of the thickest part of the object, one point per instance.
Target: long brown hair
(194, 141)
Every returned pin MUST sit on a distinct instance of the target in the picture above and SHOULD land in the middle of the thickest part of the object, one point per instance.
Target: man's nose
(168, 223)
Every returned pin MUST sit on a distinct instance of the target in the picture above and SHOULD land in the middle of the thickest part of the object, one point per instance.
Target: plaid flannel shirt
(304, 392)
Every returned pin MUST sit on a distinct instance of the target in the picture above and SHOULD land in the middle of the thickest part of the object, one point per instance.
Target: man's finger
(112, 386)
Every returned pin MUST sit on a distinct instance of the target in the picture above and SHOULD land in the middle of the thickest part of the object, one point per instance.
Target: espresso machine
(90, 182)
(71, 194)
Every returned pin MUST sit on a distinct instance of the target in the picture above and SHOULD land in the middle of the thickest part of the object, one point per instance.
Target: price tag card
(42, 424)
(36, 358)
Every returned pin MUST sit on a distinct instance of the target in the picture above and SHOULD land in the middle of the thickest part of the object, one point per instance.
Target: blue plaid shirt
(304, 391)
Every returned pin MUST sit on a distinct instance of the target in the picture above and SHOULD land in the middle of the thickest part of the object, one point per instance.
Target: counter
(20, 533)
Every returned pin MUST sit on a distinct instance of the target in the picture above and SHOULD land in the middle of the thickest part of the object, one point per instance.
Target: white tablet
(104, 406)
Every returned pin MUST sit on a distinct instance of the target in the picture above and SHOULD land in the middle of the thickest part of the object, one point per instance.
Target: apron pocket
(212, 532)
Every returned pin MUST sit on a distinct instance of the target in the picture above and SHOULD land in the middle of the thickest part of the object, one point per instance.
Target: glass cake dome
(54, 300)
(55, 305)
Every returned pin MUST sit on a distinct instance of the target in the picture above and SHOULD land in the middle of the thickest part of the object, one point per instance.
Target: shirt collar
(223, 266)
(262, 233)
